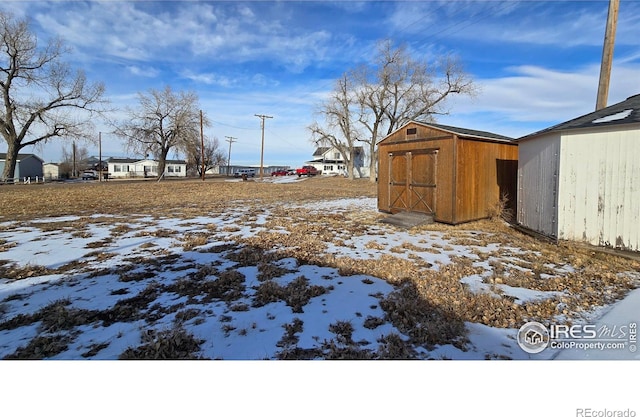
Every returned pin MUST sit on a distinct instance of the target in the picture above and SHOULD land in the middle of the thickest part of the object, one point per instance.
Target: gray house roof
(324, 149)
(133, 161)
(21, 156)
(122, 160)
(623, 113)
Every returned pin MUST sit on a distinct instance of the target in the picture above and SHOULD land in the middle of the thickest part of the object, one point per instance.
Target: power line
(235, 127)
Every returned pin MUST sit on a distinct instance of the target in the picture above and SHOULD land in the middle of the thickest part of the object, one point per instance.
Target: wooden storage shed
(580, 180)
(454, 174)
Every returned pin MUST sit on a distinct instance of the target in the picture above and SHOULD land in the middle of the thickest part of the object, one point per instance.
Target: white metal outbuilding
(580, 180)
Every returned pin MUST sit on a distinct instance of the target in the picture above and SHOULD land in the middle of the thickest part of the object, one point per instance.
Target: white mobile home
(143, 168)
(580, 180)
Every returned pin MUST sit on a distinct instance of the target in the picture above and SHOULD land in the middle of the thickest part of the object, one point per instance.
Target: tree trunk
(10, 162)
(373, 163)
(351, 164)
(162, 162)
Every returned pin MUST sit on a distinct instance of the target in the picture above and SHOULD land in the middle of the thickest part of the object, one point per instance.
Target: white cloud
(260, 79)
(209, 78)
(174, 32)
(148, 72)
(274, 58)
(534, 98)
(563, 24)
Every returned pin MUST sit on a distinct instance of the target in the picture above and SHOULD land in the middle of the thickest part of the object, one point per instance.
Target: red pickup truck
(307, 170)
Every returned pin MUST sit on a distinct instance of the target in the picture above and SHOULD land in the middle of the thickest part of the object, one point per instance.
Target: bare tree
(213, 155)
(164, 120)
(42, 98)
(405, 89)
(340, 114)
(73, 160)
(393, 90)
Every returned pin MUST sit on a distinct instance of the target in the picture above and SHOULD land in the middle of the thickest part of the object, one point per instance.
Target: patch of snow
(613, 117)
(228, 333)
(57, 219)
(524, 295)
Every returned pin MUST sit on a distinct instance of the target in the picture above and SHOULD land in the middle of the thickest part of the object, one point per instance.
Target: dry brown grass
(193, 240)
(42, 347)
(500, 210)
(12, 271)
(296, 294)
(174, 343)
(429, 304)
(170, 197)
(439, 293)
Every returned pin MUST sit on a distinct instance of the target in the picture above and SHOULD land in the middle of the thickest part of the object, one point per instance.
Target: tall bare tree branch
(213, 155)
(42, 97)
(393, 90)
(162, 121)
(340, 114)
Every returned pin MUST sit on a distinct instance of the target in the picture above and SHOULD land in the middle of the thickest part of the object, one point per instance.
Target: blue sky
(536, 62)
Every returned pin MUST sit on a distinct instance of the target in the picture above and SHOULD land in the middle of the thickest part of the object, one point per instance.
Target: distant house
(454, 174)
(231, 170)
(580, 180)
(143, 168)
(51, 171)
(27, 166)
(94, 163)
(329, 161)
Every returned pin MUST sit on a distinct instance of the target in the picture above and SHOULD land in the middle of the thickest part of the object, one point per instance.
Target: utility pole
(202, 144)
(262, 116)
(100, 156)
(230, 139)
(607, 54)
(74, 171)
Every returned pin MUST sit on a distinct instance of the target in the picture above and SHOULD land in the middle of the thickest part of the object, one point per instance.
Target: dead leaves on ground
(429, 305)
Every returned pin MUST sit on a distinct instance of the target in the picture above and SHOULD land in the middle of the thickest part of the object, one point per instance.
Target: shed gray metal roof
(625, 112)
(469, 132)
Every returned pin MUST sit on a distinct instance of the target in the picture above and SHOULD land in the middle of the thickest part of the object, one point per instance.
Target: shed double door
(412, 181)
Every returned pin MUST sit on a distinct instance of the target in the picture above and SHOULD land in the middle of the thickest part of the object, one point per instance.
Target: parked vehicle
(279, 173)
(291, 171)
(307, 170)
(89, 175)
(249, 172)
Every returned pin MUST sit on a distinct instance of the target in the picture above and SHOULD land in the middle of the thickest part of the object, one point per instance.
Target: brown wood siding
(470, 174)
(485, 171)
(399, 143)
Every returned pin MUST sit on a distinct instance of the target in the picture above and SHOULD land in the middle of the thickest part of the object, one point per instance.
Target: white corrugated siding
(538, 161)
(599, 188)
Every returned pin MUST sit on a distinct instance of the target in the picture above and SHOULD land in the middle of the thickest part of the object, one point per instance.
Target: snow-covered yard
(280, 281)
(268, 271)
